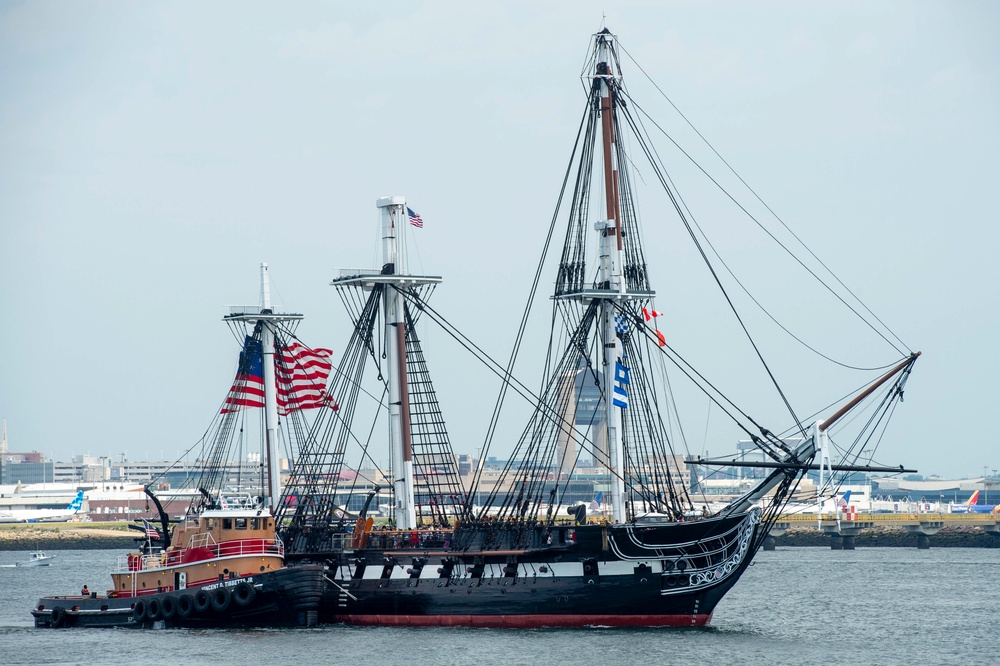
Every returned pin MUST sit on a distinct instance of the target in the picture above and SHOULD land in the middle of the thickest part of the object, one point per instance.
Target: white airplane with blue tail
(43, 515)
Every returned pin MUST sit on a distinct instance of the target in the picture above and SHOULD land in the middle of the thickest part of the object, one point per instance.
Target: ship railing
(342, 540)
(256, 547)
(249, 547)
(359, 272)
(402, 539)
(237, 499)
(201, 540)
(137, 562)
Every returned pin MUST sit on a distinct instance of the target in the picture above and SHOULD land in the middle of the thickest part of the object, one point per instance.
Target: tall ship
(509, 549)
(222, 564)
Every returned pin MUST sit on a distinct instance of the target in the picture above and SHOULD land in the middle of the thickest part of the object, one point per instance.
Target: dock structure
(848, 527)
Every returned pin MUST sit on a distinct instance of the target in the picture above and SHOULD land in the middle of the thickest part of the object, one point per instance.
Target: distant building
(931, 490)
(82, 469)
(27, 467)
(14, 470)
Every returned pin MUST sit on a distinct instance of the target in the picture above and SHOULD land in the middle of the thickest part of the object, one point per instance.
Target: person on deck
(85, 592)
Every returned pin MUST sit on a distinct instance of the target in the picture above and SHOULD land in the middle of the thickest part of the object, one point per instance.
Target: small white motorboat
(38, 559)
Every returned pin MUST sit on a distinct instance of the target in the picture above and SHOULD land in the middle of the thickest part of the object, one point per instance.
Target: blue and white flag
(621, 324)
(619, 398)
(621, 373)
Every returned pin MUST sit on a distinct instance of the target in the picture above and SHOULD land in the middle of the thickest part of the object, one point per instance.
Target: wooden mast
(823, 425)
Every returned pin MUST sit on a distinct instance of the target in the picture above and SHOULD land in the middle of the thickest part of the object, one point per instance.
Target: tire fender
(185, 605)
(168, 606)
(154, 610)
(221, 598)
(202, 601)
(244, 593)
(139, 611)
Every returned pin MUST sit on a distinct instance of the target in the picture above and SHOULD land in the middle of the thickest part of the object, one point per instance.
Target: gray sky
(153, 154)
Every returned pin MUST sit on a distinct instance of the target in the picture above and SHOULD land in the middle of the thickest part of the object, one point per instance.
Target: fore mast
(611, 291)
(268, 320)
(611, 260)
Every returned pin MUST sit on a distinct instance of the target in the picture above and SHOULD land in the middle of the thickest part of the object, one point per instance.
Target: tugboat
(229, 572)
(524, 555)
(223, 564)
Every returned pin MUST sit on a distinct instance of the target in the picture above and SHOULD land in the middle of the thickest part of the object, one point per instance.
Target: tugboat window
(255, 523)
(241, 523)
(227, 523)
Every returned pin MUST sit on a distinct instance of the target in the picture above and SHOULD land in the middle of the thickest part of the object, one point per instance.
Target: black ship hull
(287, 597)
(638, 576)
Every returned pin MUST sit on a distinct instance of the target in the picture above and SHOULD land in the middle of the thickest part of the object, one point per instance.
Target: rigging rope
(752, 191)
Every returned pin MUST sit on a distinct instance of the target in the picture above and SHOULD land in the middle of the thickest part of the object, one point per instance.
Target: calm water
(881, 606)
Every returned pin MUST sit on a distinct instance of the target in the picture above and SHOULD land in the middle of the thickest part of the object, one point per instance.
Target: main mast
(268, 320)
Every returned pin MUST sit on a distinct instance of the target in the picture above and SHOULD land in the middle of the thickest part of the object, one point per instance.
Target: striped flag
(151, 532)
(248, 387)
(649, 313)
(300, 376)
(415, 218)
(619, 397)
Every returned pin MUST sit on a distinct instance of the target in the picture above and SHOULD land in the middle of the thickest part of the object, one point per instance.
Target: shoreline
(114, 537)
(956, 536)
(61, 536)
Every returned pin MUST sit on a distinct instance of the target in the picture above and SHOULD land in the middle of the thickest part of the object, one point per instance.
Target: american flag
(300, 374)
(415, 219)
(248, 387)
(151, 532)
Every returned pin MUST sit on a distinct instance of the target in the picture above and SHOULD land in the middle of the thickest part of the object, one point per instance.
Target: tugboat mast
(270, 391)
(268, 320)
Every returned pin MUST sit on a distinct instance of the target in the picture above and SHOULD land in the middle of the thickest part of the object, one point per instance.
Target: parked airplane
(43, 515)
(972, 507)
